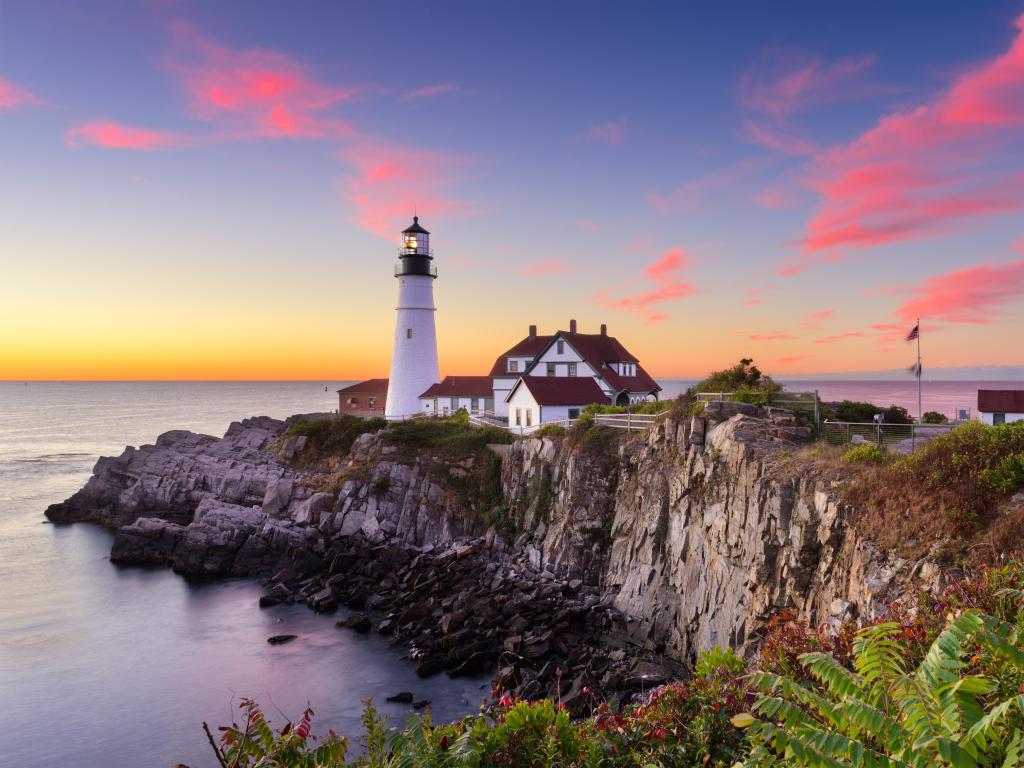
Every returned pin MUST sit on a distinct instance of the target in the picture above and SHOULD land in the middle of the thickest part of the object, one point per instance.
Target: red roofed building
(366, 398)
(1001, 406)
(474, 393)
(570, 354)
(536, 400)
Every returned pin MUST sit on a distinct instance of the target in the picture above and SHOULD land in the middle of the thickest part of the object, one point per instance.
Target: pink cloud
(589, 226)
(840, 337)
(255, 93)
(786, 81)
(780, 141)
(791, 359)
(665, 274)
(428, 91)
(689, 196)
(813, 320)
(611, 132)
(969, 295)
(110, 135)
(13, 97)
(391, 181)
(548, 267)
(771, 336)
(758, 295)
(928, 170)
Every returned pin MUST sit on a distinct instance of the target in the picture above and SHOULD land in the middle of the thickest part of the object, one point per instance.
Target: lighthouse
(414, 355)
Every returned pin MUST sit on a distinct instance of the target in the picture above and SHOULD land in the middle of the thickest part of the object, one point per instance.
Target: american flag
(914, 333)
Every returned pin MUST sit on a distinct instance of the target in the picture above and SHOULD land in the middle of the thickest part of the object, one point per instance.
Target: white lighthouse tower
(414, 357)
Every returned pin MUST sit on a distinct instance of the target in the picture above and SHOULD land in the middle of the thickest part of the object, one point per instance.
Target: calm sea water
(102, 666)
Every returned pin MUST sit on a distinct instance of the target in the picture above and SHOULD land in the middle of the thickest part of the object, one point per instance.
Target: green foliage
(257, 745)
(744, 380)
(933, 417)
(331, 436)
(866, 453)
(971, 467)
(857, 412)
(551, 430)
(653, 407)
(450, 435)
(719, 661)
(885, 712)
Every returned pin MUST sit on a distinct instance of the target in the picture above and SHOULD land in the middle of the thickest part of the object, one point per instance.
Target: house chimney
(572, 326)
(533, 331)
(604, 329)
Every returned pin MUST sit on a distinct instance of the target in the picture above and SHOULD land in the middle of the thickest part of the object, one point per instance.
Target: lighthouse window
(408, 333)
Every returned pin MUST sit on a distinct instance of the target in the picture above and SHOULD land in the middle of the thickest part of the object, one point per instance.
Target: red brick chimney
(533, 331)
(604, 329)
(572, 326)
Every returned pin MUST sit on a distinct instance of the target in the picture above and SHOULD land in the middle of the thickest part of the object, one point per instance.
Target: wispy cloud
(973, 295)
(771, 336)
(689, 195)
(813, 320)
(13, 97)
(427, 91)
(111, 135)
(668, 284)
(390, 181)
(547, 267)
(758, 295)
(778, 140)
(785, 80)
(612, 132)
(255, 93)
(927, 170)
(587, 225)
(840, 337)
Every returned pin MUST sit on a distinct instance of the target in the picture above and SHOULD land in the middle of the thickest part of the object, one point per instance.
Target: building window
(513, 366)
(373, 402)
(519, 416)
(574, 413)
(572, 369)
(475, 404)
(561, 347)
(998, 418)
(529, 417)
(455, 403)
(551, 369)
(408, 333)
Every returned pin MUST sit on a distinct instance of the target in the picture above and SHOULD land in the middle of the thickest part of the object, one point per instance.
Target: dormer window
(513, 366)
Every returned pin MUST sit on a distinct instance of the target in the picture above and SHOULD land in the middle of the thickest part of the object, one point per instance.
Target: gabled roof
(461, 386)
(528, 347)
(368, 387)
(561, 390)
(1001, 400)
(598, 349)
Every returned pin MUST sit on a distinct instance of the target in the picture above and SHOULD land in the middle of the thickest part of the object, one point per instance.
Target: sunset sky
(215, 190)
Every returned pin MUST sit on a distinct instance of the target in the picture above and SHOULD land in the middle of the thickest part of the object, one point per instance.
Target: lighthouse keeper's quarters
(473, 393)
(364, 399)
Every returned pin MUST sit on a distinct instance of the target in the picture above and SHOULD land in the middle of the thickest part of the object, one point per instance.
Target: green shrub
(744, 380)
(551, 430)
(860, 413)
(332, 436)
(866, 454)
(719, 661)
(933, 417)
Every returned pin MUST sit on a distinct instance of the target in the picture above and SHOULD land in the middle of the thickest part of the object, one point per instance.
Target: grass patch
(948, 490)
(330, 437)
(447, 436)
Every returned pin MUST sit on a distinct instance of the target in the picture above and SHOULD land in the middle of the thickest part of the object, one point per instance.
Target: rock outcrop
(618, 558)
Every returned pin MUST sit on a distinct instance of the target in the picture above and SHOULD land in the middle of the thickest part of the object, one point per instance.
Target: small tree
(744, 380)
(933, 417)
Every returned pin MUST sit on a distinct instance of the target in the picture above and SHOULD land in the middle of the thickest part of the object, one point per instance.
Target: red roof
(376, 387)
(461, 386)
(528, 347)
(1001, 400)
(562, 390)
(598, 349)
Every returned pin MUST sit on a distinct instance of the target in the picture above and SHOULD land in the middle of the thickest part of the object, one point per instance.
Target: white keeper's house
(538, 380)
(1001, 406)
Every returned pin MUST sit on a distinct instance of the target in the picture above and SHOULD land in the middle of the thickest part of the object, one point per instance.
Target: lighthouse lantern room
(414, 366)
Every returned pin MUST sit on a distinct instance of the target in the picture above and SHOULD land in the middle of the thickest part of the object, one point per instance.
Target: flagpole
(919, 414)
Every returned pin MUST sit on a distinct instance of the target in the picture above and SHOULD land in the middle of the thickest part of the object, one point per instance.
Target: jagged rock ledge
(614, 563)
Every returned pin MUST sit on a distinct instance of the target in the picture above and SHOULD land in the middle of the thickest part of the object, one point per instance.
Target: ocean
(110, 667)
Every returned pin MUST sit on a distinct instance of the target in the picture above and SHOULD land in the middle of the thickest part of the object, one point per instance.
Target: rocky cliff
(686, 537)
